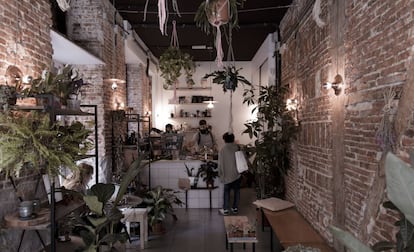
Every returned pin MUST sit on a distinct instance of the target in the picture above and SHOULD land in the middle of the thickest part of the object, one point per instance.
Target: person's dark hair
(202, 122)
(228, 137)
(168, 127)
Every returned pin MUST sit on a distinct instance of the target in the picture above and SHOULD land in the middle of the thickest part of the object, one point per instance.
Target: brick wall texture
(371, 48)
(25, 42)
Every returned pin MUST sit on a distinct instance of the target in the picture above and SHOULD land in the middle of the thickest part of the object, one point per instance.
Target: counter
(167, 172)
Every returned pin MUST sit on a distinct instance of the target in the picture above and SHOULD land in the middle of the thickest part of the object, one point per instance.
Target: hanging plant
(229, 78)
(172, 62)
(217, 13)
(212, 13)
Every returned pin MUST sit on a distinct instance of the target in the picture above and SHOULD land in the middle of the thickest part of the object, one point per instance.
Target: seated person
(204, 138)
(79, 179)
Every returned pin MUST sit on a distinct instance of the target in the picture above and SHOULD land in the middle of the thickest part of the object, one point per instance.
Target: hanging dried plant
(385, 134)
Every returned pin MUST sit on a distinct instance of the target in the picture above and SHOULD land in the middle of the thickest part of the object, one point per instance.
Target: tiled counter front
(167, 172)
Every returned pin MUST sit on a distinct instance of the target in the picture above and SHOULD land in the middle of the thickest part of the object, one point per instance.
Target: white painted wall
(260, 70)
(220, 113)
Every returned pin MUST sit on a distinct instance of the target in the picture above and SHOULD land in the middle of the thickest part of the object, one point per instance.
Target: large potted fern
(29, 140)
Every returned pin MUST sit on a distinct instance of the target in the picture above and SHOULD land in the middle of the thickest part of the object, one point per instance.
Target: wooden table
(240, 221)
(41, 221)
(139, 215)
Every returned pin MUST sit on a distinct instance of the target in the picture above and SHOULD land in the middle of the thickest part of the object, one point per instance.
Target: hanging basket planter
(218, 12)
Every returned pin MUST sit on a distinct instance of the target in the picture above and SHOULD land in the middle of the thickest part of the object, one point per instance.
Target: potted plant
(102, 223)
(192, 176)
(399, 176)
(274, 129)
(65, 85)
(208, 171)
(172, 62)
(160, 203)
(30, 140)
(216, 12)
(228, 78)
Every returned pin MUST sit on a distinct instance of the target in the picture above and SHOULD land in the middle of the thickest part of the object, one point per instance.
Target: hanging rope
(231, 62)
(216, 20)
(174, 37)
(162, 12)
(64, 5)
(219, 48)
(174, 43)
(145, 10)
(175, 7)
(385, 134)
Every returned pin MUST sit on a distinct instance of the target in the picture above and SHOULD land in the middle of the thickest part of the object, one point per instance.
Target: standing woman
(228, 174)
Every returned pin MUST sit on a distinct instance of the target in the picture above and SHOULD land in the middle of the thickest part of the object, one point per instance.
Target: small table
(139, 215)
(241, 221)
(199, 188)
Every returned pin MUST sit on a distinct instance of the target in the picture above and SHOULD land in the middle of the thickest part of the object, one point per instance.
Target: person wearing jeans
(228, 174)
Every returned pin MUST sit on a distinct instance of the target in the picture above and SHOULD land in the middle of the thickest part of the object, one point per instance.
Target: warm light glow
(114, 85)
(291, 104)
(336, 85)
(327, 85)
(210, 105)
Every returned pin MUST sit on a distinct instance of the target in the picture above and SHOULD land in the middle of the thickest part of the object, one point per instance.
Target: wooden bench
(292, 229)
(243, 237)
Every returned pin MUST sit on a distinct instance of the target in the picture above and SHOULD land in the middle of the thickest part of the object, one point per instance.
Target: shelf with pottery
(190, 88)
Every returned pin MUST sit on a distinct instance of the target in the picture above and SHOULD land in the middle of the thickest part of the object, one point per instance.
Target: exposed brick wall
(91, 24)
(25, 43)
(376, 49)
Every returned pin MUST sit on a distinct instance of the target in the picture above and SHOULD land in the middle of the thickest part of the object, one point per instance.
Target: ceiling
(257, 19)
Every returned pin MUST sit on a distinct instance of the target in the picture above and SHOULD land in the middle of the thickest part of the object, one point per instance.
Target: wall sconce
(336, 85)
(114, 82)
(291, 104)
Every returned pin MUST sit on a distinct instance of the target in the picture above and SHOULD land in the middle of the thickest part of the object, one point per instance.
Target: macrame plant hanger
(217, 22)
(174, 43)
(230, 61)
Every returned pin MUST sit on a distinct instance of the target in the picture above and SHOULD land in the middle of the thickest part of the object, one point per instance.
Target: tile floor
(202, 230)
(198, 230)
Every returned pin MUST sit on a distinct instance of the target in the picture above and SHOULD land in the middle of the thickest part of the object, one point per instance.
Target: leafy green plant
(208, 171)
(31, 140)
(160, 203)
(171, 62)
(102, 225)
(228, 78)
(63, 85)
(400, 191)
(206, 10)
(274, 129)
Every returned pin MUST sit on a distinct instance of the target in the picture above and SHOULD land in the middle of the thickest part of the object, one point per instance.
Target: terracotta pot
(158, 228)
(218, 12)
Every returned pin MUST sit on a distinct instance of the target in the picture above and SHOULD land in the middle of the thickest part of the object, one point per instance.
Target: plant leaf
(400, 185)
(349, 240)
